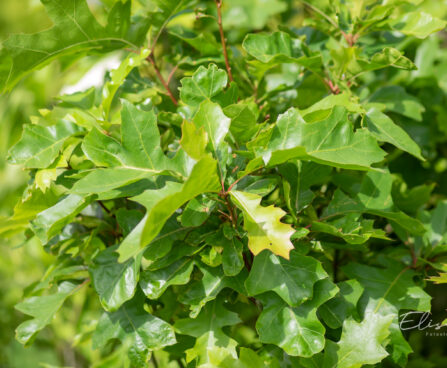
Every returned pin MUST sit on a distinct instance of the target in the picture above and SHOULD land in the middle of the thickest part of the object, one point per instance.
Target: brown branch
(248, 261)
(162, 80)
(104, 207)
(222, 38)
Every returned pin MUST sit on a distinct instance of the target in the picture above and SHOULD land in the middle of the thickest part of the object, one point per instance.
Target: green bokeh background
(22, 264)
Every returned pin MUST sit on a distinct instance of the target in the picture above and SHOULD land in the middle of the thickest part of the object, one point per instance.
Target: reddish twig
(162, 80)
(414, 257)
(234, 183)
(351, 39)
(335, 90)
(222, 38)
(171, 74)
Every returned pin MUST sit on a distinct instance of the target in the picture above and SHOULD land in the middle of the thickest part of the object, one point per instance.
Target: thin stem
(171, 74)
(234, 183)
(222, 38)
(316, 10)
(162, 80)
(104, 207)
(414, 257)
(231, 211)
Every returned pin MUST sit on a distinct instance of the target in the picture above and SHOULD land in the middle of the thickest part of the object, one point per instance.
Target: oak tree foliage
(244, 190)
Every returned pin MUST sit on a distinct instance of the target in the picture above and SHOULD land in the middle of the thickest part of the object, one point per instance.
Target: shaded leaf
(132, 324)
(292, 280)
(296, 330)
(155, 282)
(383, 128)
(114, 282)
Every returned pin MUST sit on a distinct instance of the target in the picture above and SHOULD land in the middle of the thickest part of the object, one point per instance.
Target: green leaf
(139, 149)
(330, 141)
(39, 146)
(165, 11)
(204, 42)
(292, 280)
(247, 359)
(350, 228)
(440, 279)
(373, 197)
(132, 324)
(360, 343)
(197, 211)
(418, 24)
(194, 140)
(390, 286)
(396, 99)
(75, 32)
(383, 128)
(296, 330)
(33, 202)
(232, 260)
(117, 78)
(411, 200)
(344, 99)
(212, 345)
(114, 282)
(103, 181)
(279, 47)
(435, 223)
(211, 117)
(298, 177)
(250, 14)
(387, 291)
(211, 350)
(43, 309)
(162, 203)
(155, 282)
(204, 84)
(265, 231)
(213, 317)
(48, 223)
(211, 284)
(343, 306)
(383, 59)
(244, 118)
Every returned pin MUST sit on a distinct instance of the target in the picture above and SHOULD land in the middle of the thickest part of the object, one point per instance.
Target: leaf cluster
(253, 186)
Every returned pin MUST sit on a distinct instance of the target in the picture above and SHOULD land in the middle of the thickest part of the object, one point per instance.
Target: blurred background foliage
(55, 346)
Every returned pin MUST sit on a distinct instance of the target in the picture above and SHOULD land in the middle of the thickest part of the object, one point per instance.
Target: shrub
(252, 186)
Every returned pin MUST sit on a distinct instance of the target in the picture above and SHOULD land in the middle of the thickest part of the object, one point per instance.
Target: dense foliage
(259, 183)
